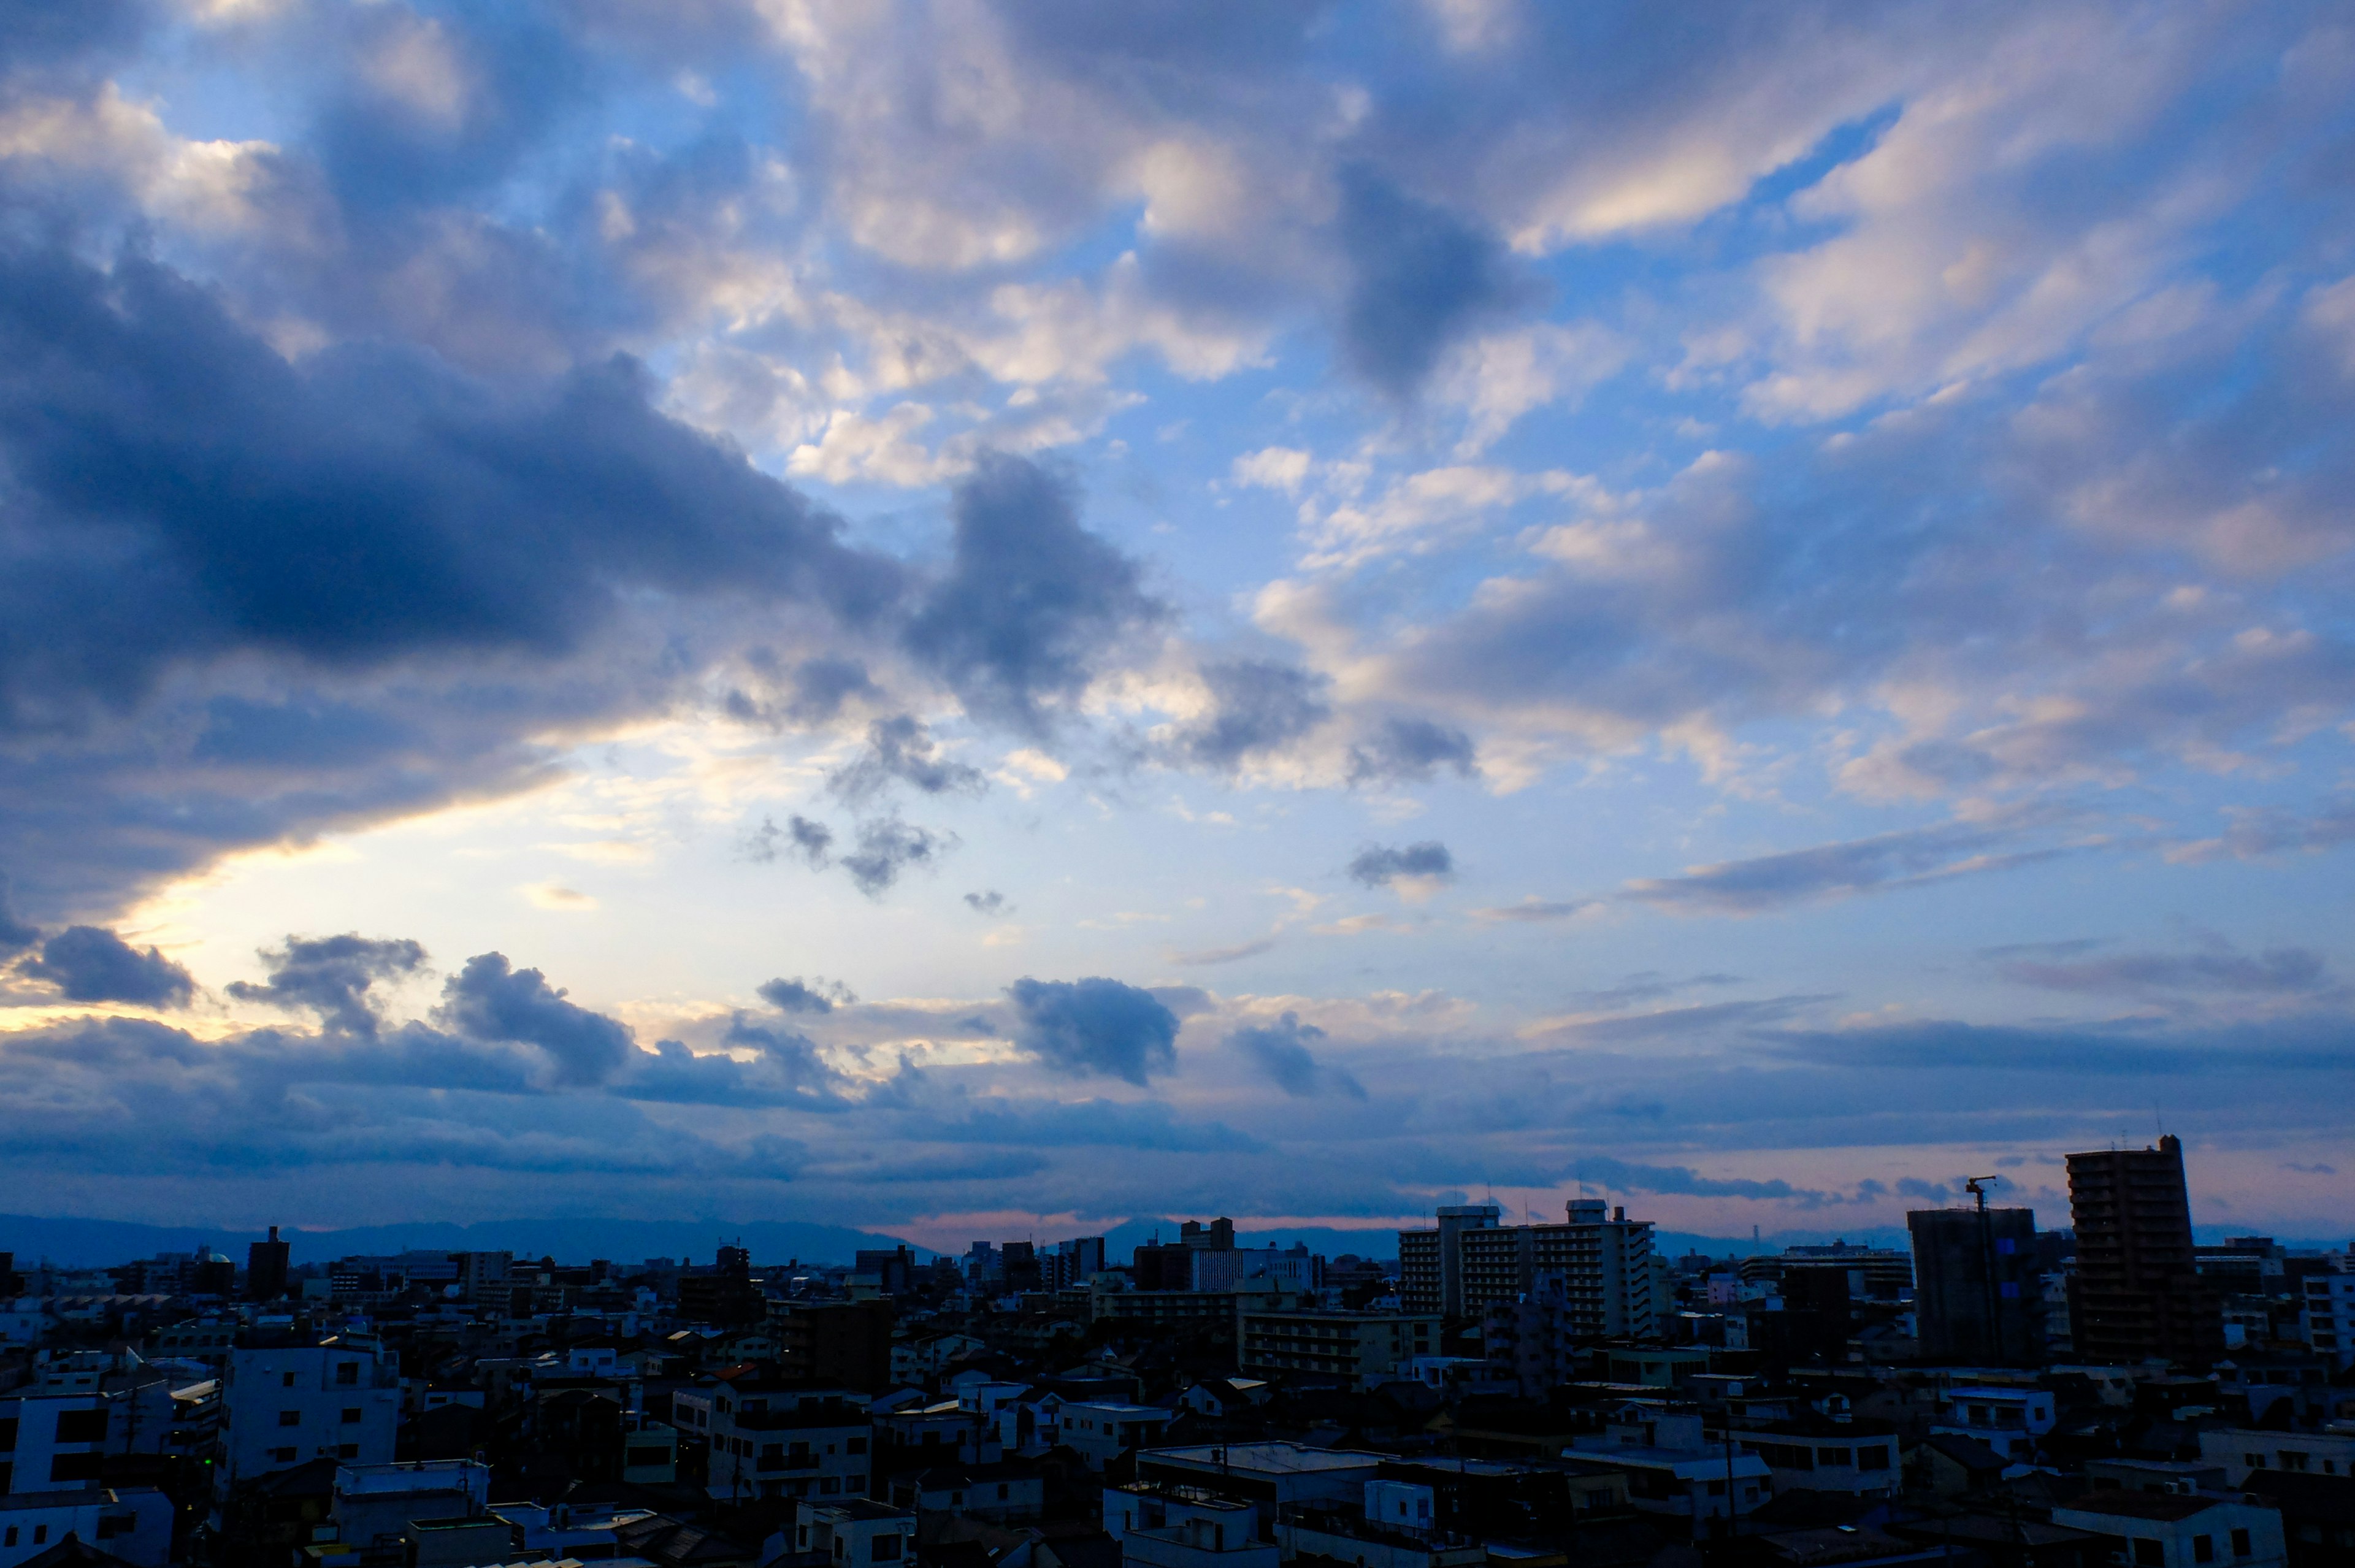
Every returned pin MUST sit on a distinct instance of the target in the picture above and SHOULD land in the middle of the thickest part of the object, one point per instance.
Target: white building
(134, 1524)
(1100, 1433)
(855, 1533)
(2240, 1451)
(778, 1440)
(2157, 1530)
(2008, 1420)
(290, 1404)
(1162, 1527)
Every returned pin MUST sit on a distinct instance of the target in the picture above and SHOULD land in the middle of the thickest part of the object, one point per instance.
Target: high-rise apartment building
(265, 1268)
(1468, 1261)
(2137, 1293)
(1978, 1292)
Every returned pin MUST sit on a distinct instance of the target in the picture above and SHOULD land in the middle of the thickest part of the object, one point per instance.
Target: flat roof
(2123, 1504)
(1273, 1458)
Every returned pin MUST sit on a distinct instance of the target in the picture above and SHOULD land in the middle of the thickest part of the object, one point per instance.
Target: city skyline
(1039, 613)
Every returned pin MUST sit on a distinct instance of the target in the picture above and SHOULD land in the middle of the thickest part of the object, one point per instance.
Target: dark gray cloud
(1412, 749)
(813, 692)
(90, 964)
(1379, 865)
(797, 996)
(1256, 706)
(1083, 1124)
(366, 504)
(1033, 604)
(1420, 277)
(1678, 1179)
(1281, 1050)
(901, 750)
(493, 1001)
(1096, 1026)
(812, 843)
(889, 847)
(2221, 969)
(988, 901)
(332, 975)
(15, 935)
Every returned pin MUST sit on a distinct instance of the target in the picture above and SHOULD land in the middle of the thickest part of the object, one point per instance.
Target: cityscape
(1176, 784)
(1469, 1392)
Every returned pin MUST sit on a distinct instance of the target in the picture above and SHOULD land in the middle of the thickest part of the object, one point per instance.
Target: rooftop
(2123, 1504)
(1266, 1458)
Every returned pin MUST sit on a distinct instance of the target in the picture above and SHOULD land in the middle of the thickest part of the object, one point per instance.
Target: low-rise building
(1001, 1494)
(769, 1440)
(2011, 1421)
(287, 1405)
(375, 1504)
(1269, 1477)
(853, 1533)
(1359, 1349)
(1690, 1484)
(2157, 1530)
(1101, 1433)
(2242, 1451)
(133, 1524)
(1858, 1458)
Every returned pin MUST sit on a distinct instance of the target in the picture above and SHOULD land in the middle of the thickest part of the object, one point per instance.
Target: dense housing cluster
(1541, 1395)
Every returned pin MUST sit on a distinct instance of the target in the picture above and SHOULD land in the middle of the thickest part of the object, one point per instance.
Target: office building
(1977, 1294)
(2137, 1294)
(290, 1404)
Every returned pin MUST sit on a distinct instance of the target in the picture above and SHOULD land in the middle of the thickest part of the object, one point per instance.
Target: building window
(2240, 1547)
(887, 1549)
(348, 1451)
(347, 1373)
(351, 1415)
(2150, 1554)
(282, 1456)
(11, 1540)
(290, 1418)
(2203, 1549)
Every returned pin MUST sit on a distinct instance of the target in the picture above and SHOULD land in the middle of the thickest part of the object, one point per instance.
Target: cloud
(990, 901)
(2256, 832)
(1412, 749)
(89, 964)
(1232, 954)
(1256, 707)
(814, 691)
(1084, 1028)
(1681, 1181)
(808, 841)
(15, 935)
(1378, 866)
(1080, 1124)
(901, 750)
(1912, 858)
(1535, 911)
(1280, 1050)
(331, 977)
(1420, 278)
(2220, 969)
(1032, 603)
(795, 996)
(492, 1001)
(888, 848)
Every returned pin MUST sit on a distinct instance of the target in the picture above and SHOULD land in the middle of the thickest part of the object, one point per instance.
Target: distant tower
(265, 1268)
(2136, 1294)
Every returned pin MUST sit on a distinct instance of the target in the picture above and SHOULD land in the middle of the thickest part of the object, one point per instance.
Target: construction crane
(1976, 1186)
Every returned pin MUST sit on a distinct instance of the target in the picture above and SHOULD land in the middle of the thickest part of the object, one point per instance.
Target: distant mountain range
(80, 1244)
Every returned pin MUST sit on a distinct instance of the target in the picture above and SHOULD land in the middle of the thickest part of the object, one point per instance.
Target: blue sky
(954, 617)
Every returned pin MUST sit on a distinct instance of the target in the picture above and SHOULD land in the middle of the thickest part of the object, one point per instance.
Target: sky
(978, 619)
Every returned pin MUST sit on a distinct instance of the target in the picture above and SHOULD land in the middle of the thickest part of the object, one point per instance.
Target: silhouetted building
(722, 1295)
(1021, 1264)
(265, 1268)
(1976, 1296)
(2137, 1293)
(895, 1271)
(1468, 1261)
(837, 1344)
